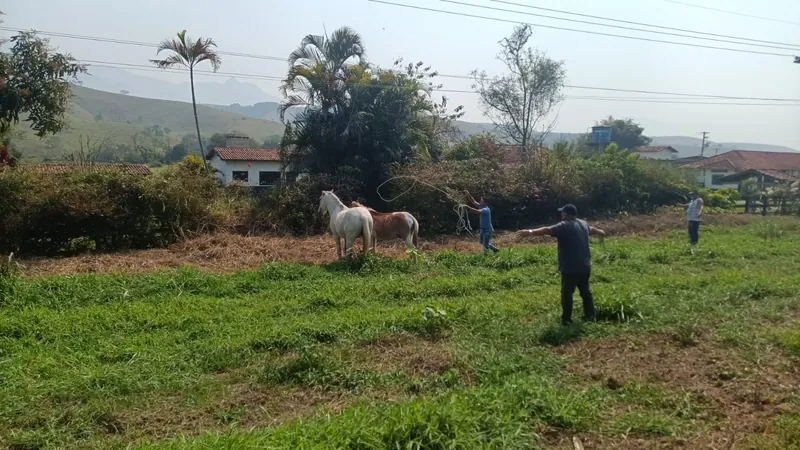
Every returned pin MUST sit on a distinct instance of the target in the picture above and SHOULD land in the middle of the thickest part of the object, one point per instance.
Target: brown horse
(393, 225)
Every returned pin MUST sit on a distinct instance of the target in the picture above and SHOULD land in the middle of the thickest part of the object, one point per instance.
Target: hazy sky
(457, 45)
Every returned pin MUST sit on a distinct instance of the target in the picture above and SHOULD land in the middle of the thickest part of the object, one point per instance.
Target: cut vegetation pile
(231, 252)
(448, 351)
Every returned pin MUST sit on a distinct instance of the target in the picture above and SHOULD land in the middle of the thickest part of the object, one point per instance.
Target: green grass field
(443, 351)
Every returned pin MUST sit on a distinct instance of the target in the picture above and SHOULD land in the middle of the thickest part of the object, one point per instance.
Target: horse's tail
(414, 230)
(367, 232)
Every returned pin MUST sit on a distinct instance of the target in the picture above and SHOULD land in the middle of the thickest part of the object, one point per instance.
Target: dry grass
(227, 253)
(405, 353)
(742, 398)
(228, 401)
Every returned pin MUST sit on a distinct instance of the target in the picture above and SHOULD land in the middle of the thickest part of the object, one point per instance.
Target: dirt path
(231, 252)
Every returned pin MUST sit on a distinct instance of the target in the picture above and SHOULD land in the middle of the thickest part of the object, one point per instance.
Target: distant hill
(222, 92)
(122, 117)
(262, 110)
(685, 145)
(690, 146)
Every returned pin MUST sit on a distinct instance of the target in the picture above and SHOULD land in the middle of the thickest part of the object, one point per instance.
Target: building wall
(664, 155)
(706, 178)
(226, 168)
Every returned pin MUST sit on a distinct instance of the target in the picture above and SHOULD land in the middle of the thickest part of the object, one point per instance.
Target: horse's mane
(357, 205)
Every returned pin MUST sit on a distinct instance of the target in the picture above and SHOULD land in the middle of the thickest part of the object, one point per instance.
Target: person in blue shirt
(486, 223)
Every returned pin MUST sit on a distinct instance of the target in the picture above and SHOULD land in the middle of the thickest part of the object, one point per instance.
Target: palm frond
(204, 50)
(306, 55)
(170, 61)
(171, 45)
(345, 43)
(291, 102)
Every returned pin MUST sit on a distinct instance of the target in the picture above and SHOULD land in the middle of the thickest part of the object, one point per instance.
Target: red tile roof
(740, 160)
(61, 168)
(654, 149)
(778, 175)
(245, 154)
(750, 173)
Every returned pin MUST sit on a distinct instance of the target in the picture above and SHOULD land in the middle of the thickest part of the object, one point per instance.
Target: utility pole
(703, 145)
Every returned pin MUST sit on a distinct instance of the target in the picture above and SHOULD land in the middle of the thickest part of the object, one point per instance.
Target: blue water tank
(601, 135)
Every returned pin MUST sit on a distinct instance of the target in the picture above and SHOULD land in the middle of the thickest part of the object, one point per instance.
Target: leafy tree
(319, 70)
(625, 133)
(154, 131)
(216, 140)
(750, 192)
(359, 120)
(219, 140)
(188, 53)
(176, 154)
(124, 92)
(35, 82)
(477, 146)
(521, 103)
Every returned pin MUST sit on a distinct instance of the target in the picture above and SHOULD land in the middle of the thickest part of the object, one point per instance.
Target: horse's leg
(348, 245)
(338, 246)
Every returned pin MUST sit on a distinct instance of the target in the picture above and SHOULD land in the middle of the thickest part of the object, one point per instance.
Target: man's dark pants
(570, 281)
(694, 231)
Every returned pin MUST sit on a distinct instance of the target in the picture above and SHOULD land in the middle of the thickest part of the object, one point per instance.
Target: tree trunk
(197, 121)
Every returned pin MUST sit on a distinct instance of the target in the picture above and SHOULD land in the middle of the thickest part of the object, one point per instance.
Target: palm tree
(750, 191)
(319, 69)
(189, 54)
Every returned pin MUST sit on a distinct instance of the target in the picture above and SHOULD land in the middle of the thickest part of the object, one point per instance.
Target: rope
(460, 209)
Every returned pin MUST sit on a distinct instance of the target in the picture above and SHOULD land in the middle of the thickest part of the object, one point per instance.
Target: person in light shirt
(694, 210)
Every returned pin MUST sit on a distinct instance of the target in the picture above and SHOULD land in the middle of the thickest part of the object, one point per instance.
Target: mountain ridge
(121, 118)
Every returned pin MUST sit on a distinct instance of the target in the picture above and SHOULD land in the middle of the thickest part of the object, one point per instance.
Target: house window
(291, 176)
(240, 175)
(716, 177)
(268, 178)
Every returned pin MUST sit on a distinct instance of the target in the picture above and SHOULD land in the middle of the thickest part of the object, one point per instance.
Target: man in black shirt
(574, 259)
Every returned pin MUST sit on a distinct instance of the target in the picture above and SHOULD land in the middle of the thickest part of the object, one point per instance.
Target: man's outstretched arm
(597, 232)
(543, 231)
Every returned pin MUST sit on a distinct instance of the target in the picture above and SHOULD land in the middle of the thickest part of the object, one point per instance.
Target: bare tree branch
(522, 101)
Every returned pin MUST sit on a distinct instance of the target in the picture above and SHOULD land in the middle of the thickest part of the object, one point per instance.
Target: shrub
(612, 182)
(108, 211)
(293, 207)
(725, 198)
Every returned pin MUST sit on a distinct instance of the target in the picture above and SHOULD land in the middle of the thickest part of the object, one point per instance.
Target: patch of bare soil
(742, 398)
(404, 353)
(228, 253)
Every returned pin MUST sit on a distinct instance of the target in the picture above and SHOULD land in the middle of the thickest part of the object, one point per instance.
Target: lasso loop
(460, 209)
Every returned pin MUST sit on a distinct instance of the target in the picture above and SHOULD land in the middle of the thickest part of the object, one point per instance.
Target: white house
(717, 172)
(236, 162)
(663, 153)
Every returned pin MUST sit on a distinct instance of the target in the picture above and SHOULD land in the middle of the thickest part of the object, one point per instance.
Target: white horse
(347, 223)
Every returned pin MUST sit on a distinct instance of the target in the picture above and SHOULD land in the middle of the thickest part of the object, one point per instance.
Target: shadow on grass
(559, 335)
